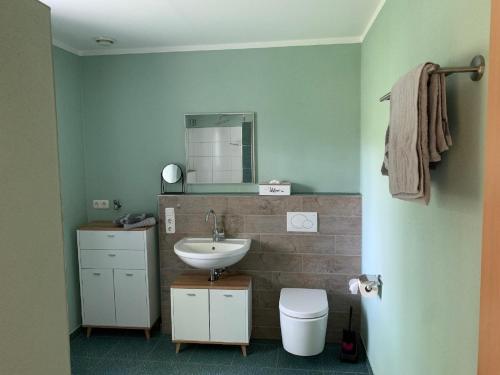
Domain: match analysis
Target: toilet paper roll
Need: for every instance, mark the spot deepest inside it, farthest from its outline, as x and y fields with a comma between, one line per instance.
x=354, y=286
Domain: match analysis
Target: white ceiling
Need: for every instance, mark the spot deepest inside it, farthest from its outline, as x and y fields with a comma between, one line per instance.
x=141, y=26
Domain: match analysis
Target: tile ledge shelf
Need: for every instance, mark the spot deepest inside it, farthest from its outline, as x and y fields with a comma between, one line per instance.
x=257, y=195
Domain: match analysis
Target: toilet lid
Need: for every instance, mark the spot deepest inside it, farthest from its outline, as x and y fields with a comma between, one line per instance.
x=303, y=303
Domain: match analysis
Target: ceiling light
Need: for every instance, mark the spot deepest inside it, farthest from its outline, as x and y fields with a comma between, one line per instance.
x=105, y=41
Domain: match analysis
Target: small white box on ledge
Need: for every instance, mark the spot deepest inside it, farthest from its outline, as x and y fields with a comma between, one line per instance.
x=275, y=188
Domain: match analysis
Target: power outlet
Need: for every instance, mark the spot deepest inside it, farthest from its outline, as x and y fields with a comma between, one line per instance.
x=169, y=220
x=100, y=204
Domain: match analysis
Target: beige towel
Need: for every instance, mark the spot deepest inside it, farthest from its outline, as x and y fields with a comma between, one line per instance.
x=417, y=134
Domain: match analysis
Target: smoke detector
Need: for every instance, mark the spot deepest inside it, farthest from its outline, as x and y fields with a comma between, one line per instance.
x=104, y=41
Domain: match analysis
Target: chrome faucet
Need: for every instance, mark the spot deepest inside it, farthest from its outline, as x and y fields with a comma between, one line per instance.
x=217, y=235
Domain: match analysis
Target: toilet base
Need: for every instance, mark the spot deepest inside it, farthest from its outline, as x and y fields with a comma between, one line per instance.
x=303, y=337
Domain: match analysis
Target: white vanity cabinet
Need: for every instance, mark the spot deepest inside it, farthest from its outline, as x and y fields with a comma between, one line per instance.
x=119, y=277
x=217, y=312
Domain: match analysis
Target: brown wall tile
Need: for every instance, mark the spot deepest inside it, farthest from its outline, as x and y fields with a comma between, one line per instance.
x=342, y=264
x=266, y=317
x=339, y=225
x=270, y=262
x=297, y=243
x=277, y=259
x=265, y=224
x=264, y=205
x=333, y=205
x=348, y=245
x=194, y=204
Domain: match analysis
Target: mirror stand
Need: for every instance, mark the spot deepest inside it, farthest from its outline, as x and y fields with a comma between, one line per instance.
x=171, y=174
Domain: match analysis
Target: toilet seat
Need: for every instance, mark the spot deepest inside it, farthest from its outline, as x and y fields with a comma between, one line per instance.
x=303, y=303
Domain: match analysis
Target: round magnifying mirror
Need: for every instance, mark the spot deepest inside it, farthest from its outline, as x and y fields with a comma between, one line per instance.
x=172, y=173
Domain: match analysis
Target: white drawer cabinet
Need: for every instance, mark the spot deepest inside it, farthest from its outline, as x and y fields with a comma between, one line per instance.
x=119, y=277
x=218, y=312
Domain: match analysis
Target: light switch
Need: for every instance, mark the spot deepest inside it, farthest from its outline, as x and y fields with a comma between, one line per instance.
x=302, y=221
x=169, y=220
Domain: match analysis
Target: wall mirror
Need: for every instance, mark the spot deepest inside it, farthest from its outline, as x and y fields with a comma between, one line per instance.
x=220, y=148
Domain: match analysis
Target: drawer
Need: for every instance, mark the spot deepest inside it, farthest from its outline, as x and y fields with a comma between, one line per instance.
x=125, y=259
x=111, y=240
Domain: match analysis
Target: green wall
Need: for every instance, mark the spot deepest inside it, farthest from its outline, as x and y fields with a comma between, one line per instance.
x=306, y=101
x=429, y=257
x=68, y=85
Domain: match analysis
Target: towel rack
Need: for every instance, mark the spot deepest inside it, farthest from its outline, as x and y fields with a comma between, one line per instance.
x=476, y=70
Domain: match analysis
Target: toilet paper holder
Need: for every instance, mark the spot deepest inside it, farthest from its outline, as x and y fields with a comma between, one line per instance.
x=370, y=281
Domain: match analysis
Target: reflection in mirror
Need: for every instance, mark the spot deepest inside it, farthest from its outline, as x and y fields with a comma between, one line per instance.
x=172, y=173
x=219, y=148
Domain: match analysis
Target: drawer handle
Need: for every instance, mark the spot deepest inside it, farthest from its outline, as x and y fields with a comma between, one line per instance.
x=111, y=235
x=111, y=255
x=191, y=294
x=228, y=295
x=96, y=273
x=129, y=274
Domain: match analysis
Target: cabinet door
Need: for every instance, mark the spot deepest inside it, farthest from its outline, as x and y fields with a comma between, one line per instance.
x=131, y=298
x=190, y=314
x=98, y=300
x=229, y=316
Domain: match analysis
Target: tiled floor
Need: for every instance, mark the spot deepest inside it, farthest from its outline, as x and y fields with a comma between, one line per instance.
x=124, y=353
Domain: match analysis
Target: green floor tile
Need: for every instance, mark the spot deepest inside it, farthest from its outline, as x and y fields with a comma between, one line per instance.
x=290, y=361
x=120, y=367
x=298, y=372
x=92, y=347
x=84, y=365
x=258, y=355
x=133, y=347
x=165, y=351
x=214, y=354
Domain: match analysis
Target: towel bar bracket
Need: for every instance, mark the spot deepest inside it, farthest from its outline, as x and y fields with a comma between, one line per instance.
x=476, y=69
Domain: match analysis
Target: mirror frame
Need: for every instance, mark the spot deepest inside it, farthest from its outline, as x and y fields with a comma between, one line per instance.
x=254, y=177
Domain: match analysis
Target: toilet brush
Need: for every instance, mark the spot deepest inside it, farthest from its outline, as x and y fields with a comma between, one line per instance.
x=348, y=346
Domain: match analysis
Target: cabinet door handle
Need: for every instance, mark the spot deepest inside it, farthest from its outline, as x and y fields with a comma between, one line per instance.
x=129, y=274
x=96, y=273
x=228, y=295
x=111, y=235
x=111, y=255
x=191, y=294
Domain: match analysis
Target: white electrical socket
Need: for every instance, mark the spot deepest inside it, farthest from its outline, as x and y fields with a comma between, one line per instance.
x=169, y=220
x=100, y=204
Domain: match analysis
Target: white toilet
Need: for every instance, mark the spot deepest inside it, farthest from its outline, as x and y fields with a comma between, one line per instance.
x=303, y=319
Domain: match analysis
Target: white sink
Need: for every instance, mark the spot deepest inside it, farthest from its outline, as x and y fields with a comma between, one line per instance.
x=204, y=253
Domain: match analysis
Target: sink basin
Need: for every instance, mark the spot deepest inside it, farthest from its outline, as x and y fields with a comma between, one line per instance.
x=204, y=253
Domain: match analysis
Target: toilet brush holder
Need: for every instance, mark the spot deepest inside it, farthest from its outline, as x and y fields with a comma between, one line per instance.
x=349, y=343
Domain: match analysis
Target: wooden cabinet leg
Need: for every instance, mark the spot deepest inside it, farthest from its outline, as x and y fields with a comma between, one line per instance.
x=147, y=333
x=244, y=350
x=177, y=347
x=89, y=331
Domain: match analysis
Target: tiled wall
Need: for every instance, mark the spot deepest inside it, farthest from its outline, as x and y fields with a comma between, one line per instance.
x=277, y=259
